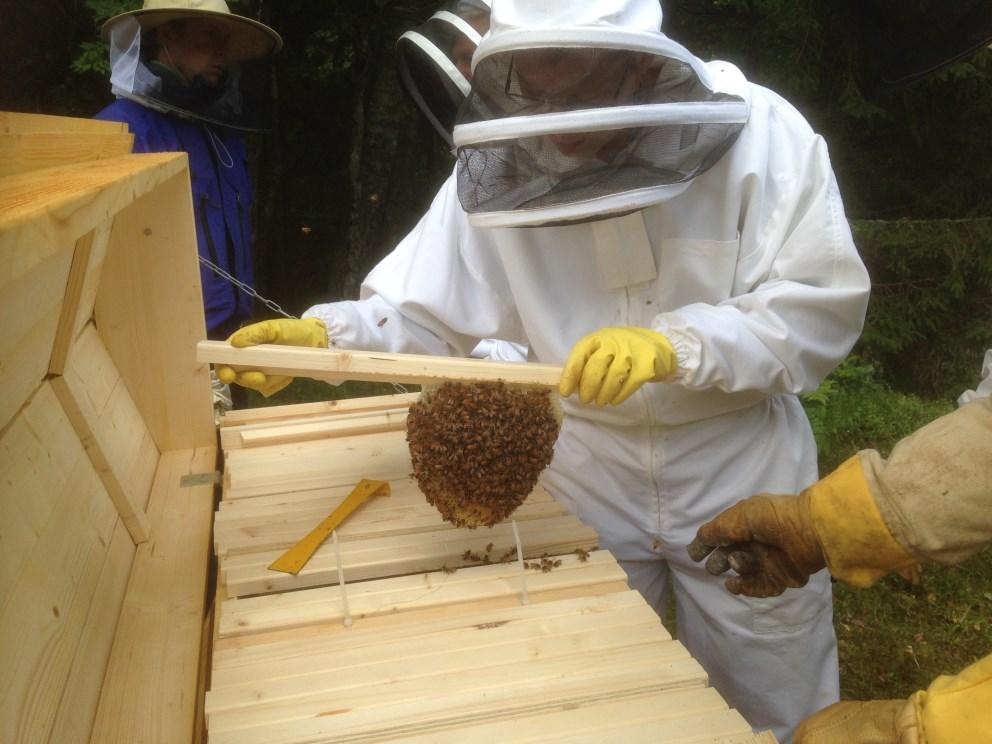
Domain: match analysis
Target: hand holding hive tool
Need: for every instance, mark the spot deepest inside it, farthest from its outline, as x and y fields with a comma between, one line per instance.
x=297, y=556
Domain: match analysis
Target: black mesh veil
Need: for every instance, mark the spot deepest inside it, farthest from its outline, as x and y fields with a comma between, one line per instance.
x=238, y=100
x=435, y=60
x=555, y=129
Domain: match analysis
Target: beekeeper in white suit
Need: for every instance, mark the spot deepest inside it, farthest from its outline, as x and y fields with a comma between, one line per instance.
x=434, y=63
x=674, y=235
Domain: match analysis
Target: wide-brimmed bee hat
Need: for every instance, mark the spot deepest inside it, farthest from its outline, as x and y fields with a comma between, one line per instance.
x=249, y=38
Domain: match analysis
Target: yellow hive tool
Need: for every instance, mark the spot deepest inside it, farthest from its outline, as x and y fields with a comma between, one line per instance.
x=297, y=556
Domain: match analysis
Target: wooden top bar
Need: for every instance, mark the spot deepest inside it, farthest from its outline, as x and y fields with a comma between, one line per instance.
x=334, y=365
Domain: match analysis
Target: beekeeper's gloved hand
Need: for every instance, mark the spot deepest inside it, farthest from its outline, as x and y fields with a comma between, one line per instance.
x=951, y=710
x=608, y=366
x=871, y=722
x=768, y=540
x=776, y=542
x=305, y=332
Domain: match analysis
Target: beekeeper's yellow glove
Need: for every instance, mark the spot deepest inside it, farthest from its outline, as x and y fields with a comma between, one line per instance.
x=608, y=366
x=306, y=332
x=860, y=722
x=957, y=708
x=953, y=710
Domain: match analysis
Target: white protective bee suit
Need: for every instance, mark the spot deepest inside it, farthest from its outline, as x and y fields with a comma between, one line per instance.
x=747, y=265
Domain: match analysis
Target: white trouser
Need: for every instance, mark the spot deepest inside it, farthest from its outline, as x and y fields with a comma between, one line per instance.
x=766, y=657
x=647, y=489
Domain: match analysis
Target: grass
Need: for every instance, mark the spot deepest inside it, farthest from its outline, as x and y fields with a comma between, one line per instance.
x=896, y=637
x=893, y=638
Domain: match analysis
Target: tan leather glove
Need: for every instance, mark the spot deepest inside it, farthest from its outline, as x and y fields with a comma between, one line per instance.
x=608, y=366
x=768, y=540
x=776, y=542
x=954, y=709
x=288, y=332
x=857, y=722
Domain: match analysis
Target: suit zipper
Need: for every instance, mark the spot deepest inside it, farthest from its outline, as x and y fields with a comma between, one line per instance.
x=233, y=255
x=211, y=248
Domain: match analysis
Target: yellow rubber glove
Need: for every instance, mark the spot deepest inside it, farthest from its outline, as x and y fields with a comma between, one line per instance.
x=608, y=366
x=306, y=332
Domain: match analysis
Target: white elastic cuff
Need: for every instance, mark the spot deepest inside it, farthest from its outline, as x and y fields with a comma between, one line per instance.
x=687, y=351
x=333, y=317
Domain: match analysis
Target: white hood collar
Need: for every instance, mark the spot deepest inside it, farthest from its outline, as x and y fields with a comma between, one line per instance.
x=633, y=25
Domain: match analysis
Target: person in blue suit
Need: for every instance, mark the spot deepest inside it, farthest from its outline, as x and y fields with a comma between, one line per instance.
x=182, y=71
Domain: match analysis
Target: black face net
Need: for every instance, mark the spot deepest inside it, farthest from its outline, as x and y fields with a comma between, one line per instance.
x=235, y=96
x=567, y=133
x=435, y=60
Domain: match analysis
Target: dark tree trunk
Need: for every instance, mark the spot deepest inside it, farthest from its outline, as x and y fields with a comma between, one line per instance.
x=38, y=41
x=331, y=197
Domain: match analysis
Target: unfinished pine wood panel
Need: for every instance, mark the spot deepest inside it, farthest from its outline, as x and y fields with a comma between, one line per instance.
x=13, y=122
x=594, y=723
x=410, y=553
x=138, y=322
x=480, y=690
x=467, y=665
x=335, y=365
x=341, y=425
x=42, y=216
x=36, y=458
x=24, y=152
x=149, y=690
x=298, y=411
x=70, y=302
x=91, y=281
x=111, y=429
x=649, y=718
x=412, y=654
x=81, y=695
x=384, y=596
x=409, y=669
x=236, y=660
x=52, y=583
x=27, y=337
x=80, y=293
x=398, y=535
x=280, y=523
x=43, y=212
x=303, y=466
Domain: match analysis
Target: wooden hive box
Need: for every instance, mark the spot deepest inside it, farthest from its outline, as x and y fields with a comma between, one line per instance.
x=107, y=439
x=438, y=634
x=404, y=628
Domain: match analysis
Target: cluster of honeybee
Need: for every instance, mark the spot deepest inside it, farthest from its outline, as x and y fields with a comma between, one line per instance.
x=478, y=448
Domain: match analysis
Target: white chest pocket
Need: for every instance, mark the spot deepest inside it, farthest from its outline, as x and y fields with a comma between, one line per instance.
x=624, y=256
x=691, y=270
